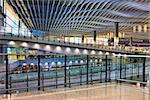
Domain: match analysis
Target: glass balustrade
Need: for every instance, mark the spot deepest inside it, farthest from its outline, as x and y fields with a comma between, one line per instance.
x=59, y=71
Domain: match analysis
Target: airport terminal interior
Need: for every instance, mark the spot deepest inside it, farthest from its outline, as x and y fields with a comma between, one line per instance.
x=74, y=49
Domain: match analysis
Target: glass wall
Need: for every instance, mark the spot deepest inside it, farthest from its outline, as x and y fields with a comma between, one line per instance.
x=12, y=24
x=1, y=3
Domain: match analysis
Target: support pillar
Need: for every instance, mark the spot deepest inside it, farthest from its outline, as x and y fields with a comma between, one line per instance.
x=116, y=37
x=2, y=50
x=82, y=38
x=19, y=26
x=131, y=41
x=94, y=37
x=148, y=82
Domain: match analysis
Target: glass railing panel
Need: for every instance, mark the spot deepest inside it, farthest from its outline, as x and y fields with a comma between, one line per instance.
x=52, y=72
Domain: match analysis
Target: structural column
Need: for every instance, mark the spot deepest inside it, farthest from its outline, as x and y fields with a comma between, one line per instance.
x=148, y=82
x=2, y=50
x=19, y=25
x=131, y=41
x=82, y=38
x=94, y=37
x=116, y=36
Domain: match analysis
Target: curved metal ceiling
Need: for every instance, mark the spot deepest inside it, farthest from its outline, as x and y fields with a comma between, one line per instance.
x=67, y=16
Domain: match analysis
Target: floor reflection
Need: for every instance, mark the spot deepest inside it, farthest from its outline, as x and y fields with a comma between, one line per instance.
x=93, y=92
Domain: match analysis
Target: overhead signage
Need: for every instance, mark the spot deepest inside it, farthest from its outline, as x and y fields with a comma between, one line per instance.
x=134, y=41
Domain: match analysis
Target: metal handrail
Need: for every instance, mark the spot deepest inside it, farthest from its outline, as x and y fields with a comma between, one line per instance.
x=45, y=86
x=75, y=44
x=132, y=81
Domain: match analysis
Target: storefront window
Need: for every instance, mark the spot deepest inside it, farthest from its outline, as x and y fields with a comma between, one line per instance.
x=73, y=39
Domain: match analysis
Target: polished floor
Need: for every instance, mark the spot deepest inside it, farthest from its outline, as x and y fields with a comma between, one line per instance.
x=92, y=92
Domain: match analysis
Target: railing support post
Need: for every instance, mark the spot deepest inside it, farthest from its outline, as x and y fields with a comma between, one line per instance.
x=65, y=72
x=144, y=59
x=106, y=58
x=39, y=72
x=7, y=69
x=87, y=70
x=120, y=67
x=27, y=83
